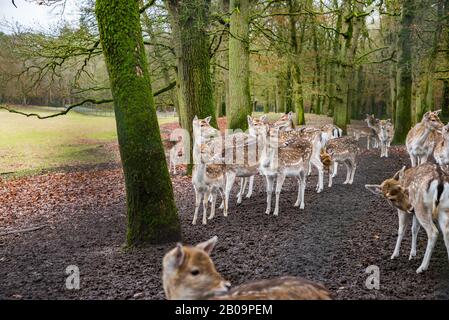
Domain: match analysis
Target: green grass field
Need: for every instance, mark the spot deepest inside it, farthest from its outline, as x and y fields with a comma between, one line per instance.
x=30, y=145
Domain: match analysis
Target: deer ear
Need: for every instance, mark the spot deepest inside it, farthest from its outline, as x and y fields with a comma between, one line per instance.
x=400, y=174
x=263, y=118
x=208, y=119
x=437, y=112
x=250, y=120
x=374, y=188
x=208, y=245
x=175, y=258
x=290, y=115
x=195, y=118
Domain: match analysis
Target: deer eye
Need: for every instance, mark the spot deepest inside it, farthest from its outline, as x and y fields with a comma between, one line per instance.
x=195, y=272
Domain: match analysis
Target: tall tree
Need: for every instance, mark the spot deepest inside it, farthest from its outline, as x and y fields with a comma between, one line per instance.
x=239, y=88
x=403, y=121
x=152, y=213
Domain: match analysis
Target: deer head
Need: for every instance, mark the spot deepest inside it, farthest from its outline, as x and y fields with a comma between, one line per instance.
x=202, y=128
x=445, y=132
x=189, y=273
x=371, y=120
x=285, y=122
x=326, y=158
x=393, y=191
x=257, y=127
x=432, y=121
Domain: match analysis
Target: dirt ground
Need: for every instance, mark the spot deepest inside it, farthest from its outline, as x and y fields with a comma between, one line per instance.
x=341, y=232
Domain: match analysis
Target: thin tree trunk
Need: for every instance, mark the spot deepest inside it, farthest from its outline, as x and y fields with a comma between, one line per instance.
x=152, y=213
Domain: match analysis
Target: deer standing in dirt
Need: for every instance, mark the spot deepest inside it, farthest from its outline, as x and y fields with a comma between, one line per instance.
x=280, y=161
x=373, y=123
x=208, y=178
x=422, y=138
x=421, y=192
x=188, y=273
x=385, y=135
x=441, y=152
x=318, y=137
x=342, y=150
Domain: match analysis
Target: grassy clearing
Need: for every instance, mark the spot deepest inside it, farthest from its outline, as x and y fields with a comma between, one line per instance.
x=30, y=145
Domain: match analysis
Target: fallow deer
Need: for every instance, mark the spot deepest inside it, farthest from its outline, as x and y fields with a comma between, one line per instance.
x=208, y=178
x=373, y=123
x=342, y=150
x=385, y=135
x=441, y=152
x=188, y=273
x=422, y=138
x=278, y=162
x=424, y=191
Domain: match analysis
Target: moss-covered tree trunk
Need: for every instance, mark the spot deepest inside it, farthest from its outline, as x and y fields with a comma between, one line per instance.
x=266, y=105
x=152, y=213
x=239, y=88
x=403, y=121
x=296, y=47
x=189, y=21
x=334, y=62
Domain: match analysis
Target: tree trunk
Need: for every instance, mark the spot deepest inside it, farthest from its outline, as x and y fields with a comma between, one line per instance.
x=189, y=21
x=239, y=89
x=294, y=56
x=404, y=69
x=152, y=213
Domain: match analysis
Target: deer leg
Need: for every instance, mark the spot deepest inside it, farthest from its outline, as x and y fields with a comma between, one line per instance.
x=331, y=174
x=415, y=230
x=197, y=205
x=367, y=142
x=432, y=234
x=243, y=182
x=212, y=206
x=309, y=170
x=354, y=167
x=230, y=178
x=250, y=187
x=403, y=220
x=319, y=165
x=279, y=182
x=301, y=190
x=205, y=202
x=334, y=171
x=348, y=171
x=413, y=160
x=443, y=220
x=270, y=182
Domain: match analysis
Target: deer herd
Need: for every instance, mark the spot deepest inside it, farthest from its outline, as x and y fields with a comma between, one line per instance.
x=280, y=150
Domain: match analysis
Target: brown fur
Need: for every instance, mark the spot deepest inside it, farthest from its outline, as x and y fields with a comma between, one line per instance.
x=189, y=273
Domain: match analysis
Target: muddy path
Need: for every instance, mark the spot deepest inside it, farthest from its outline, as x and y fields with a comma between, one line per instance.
x=340, y=233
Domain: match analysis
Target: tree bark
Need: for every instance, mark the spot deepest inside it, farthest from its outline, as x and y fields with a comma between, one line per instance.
x=404, y=70
x=152, y=213
x=239, y=88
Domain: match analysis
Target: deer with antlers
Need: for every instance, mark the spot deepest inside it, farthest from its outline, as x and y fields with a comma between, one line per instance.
x=421, y=192
x=423, y=137
x=188, y=273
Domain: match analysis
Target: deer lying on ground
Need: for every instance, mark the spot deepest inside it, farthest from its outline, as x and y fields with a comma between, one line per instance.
x=342, y=150
x=421, y=192
x=189, y=274
x=208, y=178
x=422, y=138
x=385, y=135
x=441, y=152
x=281, y=161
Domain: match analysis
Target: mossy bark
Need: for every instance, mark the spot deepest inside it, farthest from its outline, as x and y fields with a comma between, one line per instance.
x=239, y=87
x=295, y=54
x=189, y=21
x=403, y=115
x=152, y=213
